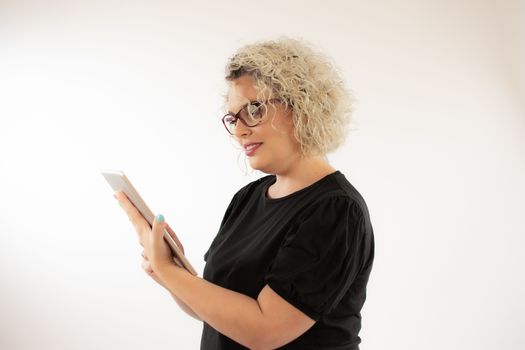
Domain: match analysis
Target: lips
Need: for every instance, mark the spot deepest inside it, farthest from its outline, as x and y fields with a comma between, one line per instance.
x=251, y=147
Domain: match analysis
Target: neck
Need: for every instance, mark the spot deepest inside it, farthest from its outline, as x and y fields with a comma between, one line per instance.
x=302, y=173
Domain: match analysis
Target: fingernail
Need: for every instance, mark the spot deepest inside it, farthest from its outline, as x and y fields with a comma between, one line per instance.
x=160, y=218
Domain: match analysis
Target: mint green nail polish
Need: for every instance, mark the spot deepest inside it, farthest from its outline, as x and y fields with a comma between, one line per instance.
x=160, y=218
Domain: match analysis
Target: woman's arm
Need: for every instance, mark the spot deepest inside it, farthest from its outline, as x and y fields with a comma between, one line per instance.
x=266, y=323
x=185, y=307
x=146, y=266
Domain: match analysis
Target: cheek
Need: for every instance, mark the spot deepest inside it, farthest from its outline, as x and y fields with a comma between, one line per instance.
x=287, y=129
x=286, y=126
x=285, y=144
x=279, y=135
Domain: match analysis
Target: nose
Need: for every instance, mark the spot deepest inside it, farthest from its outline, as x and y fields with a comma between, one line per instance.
x=241, y=129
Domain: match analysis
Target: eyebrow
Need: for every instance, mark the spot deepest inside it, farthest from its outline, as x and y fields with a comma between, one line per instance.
x=244, y=105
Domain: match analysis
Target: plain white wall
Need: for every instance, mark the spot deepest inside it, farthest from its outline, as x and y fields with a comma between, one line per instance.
x=437, y=151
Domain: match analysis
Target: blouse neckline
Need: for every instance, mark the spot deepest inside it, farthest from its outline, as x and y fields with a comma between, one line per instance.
x=298, y=192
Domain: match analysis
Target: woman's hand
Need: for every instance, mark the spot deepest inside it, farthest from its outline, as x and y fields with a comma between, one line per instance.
x=146, y=266
x=153, y=242
x=157, y=253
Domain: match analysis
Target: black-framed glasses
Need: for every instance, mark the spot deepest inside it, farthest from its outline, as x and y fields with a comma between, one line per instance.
x=251, y=114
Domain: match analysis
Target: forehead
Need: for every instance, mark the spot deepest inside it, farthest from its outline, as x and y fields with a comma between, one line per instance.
x=241, y=91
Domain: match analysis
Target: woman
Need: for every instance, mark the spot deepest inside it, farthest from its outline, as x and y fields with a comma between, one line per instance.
x=289, y=266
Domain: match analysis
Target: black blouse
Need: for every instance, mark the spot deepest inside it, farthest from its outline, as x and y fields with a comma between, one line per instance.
x=314, y=247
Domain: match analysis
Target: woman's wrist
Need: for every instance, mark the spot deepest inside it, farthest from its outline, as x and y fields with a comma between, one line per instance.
x=166, y=271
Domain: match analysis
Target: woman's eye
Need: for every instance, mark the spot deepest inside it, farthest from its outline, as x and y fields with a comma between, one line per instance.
x=255, y=110
x=230, y=120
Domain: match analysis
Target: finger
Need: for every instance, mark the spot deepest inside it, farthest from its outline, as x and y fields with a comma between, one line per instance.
x=158, y=228
x=131, y=211
x=159, y=246
x=144, y=256
x=133, y=214
x=175, y=238
x=146, y=266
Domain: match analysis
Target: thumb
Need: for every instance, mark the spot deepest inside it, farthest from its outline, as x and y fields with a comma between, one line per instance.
x=158, y=228
x=160, y=252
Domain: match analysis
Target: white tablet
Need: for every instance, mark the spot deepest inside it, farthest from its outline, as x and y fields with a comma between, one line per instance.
x=119, y=182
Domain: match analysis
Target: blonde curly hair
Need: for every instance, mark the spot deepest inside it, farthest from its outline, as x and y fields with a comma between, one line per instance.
x=304, y=80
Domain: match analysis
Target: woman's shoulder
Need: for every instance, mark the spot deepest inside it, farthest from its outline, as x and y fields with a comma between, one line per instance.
x=349, y=191
x=252, y=187
x=337, y=192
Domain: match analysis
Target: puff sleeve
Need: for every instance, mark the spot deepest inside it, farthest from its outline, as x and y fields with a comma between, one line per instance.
x=320, y=256
x=227, y=215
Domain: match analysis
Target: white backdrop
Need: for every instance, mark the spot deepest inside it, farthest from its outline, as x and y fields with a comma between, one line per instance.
x=437, y=150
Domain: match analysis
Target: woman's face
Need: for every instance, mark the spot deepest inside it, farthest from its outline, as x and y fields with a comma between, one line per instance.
x=274, y=147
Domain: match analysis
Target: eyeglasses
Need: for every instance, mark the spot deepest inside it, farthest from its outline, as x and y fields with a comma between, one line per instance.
x=251, y=114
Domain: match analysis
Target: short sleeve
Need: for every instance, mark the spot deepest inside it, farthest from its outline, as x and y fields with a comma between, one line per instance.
x=320, y=256
x=227, y=214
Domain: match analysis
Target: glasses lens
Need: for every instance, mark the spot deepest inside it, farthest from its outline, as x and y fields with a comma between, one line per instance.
x=255, y=112
x=229, y=121
x=250, y=115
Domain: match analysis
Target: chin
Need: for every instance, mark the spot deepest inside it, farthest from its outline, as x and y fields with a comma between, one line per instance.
x=258, y=165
